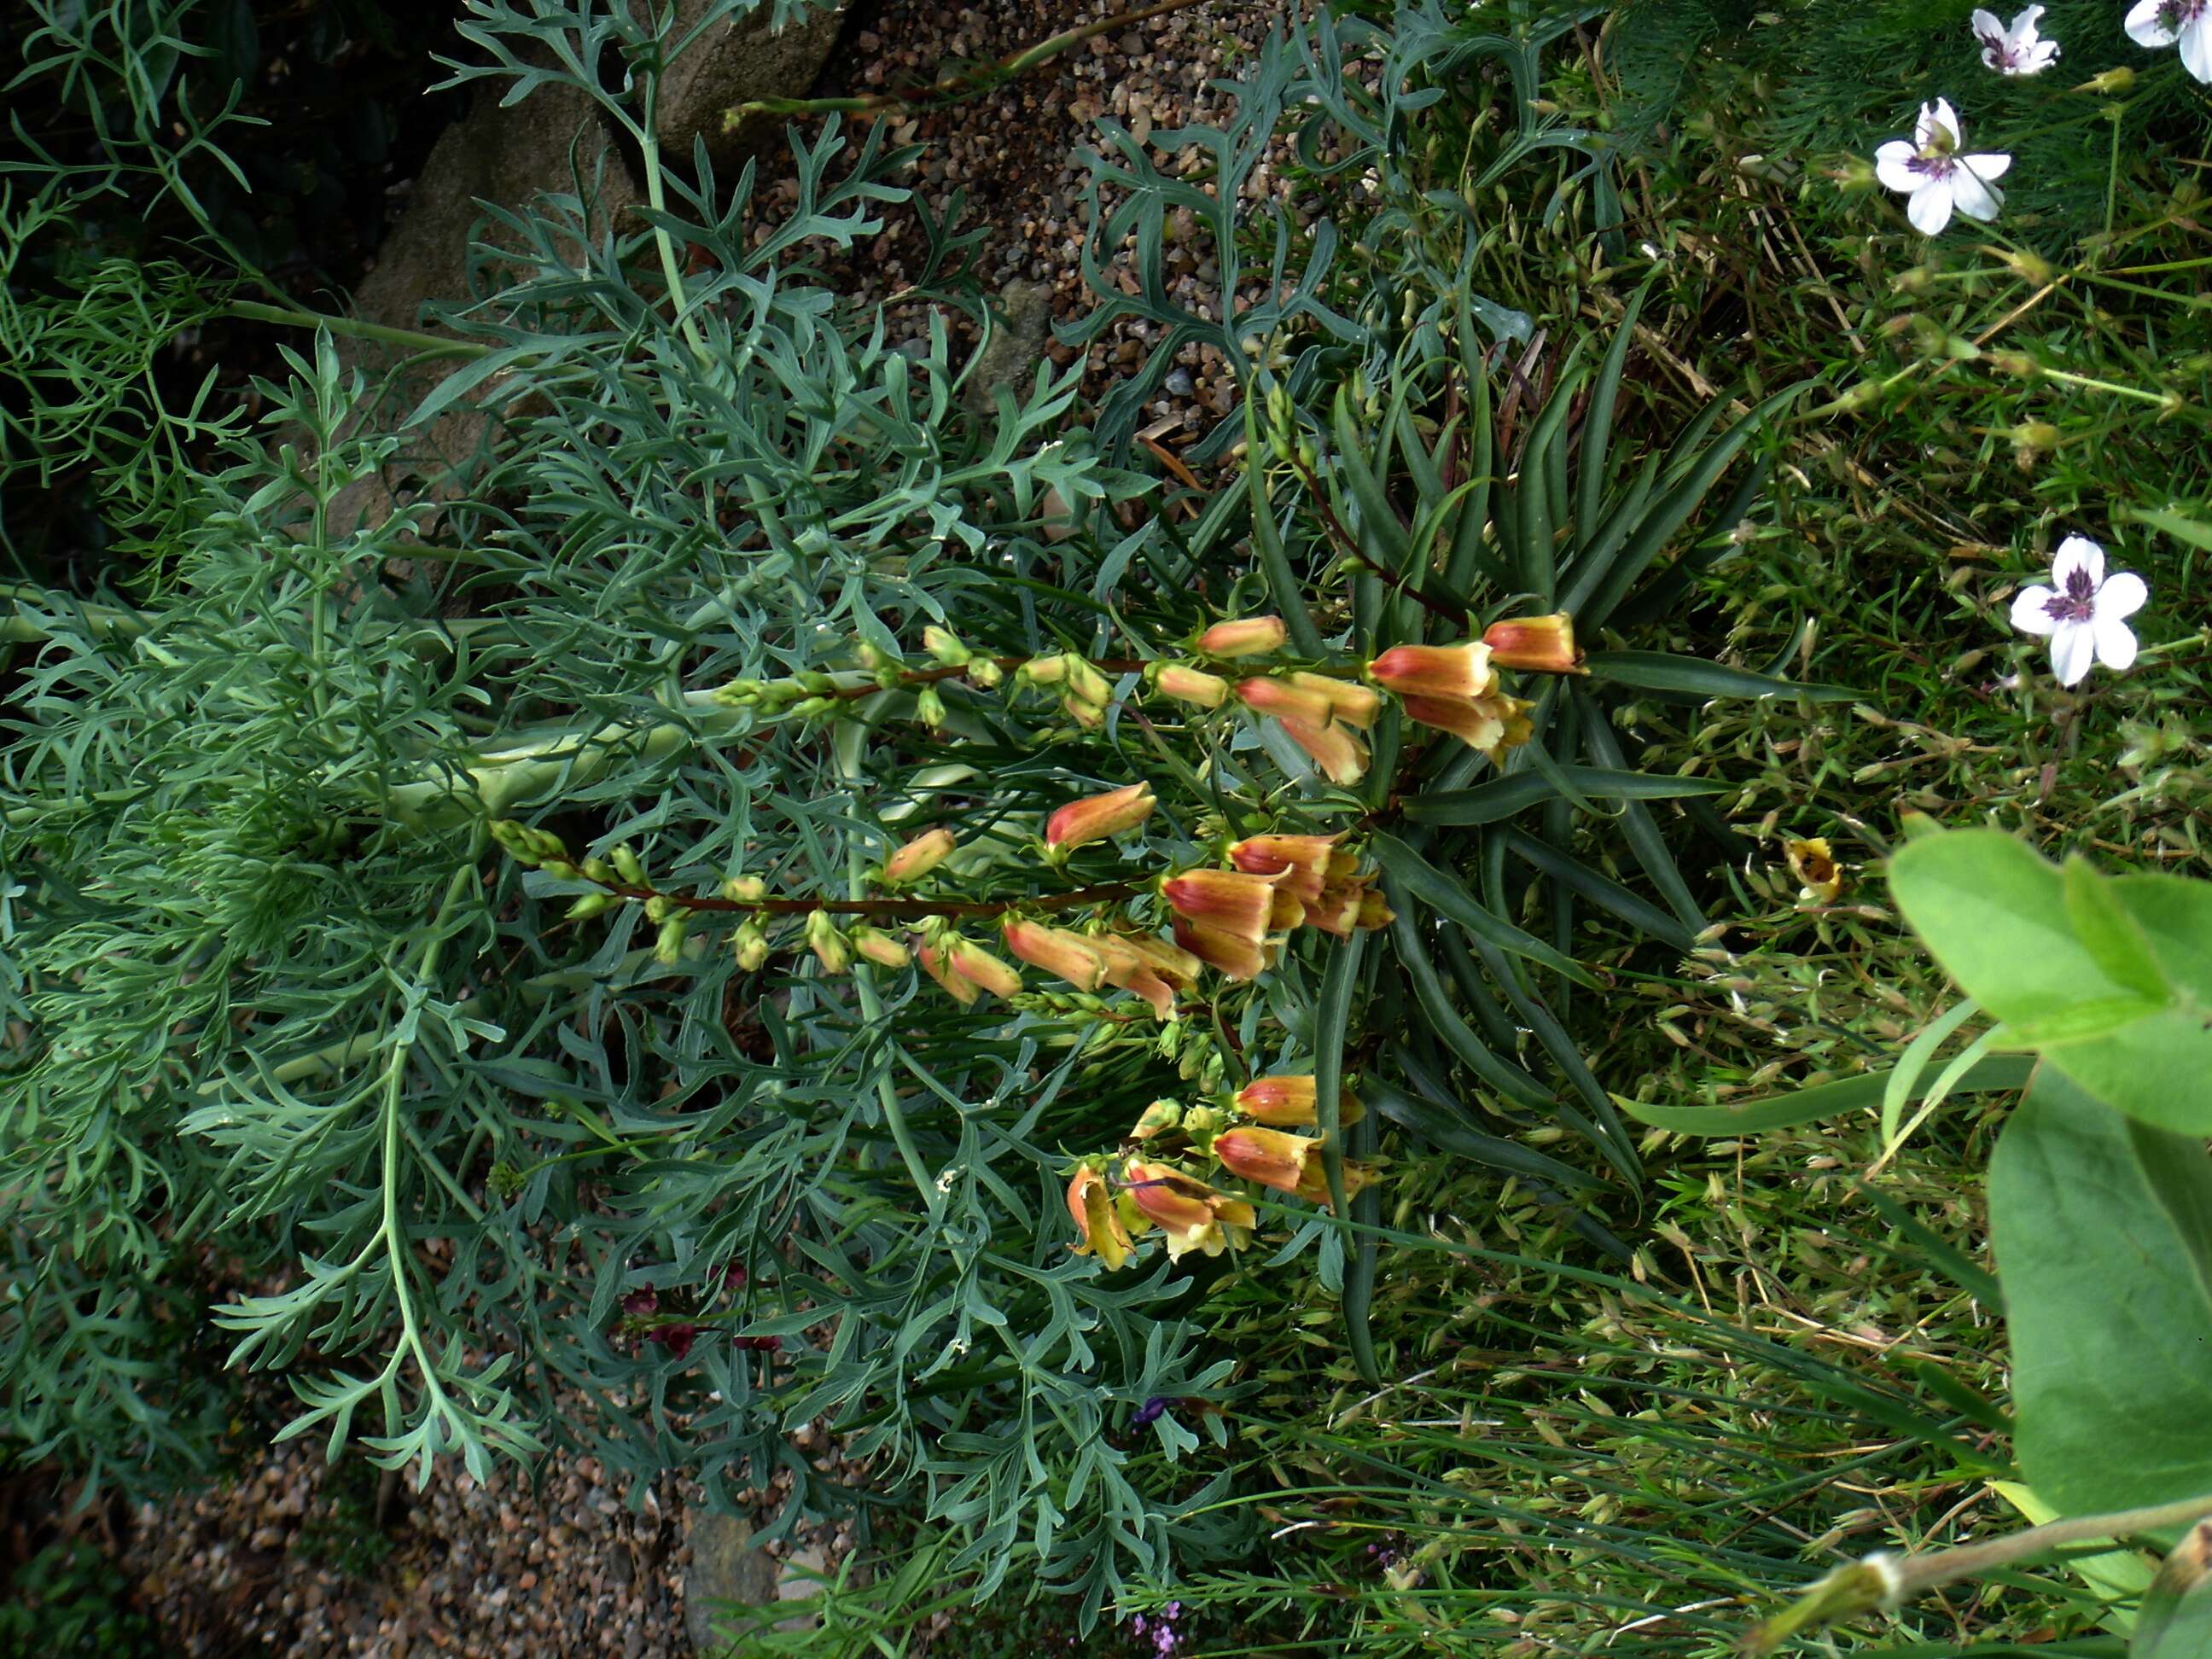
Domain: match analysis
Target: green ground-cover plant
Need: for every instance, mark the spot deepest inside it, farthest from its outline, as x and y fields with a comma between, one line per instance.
x=470, y=925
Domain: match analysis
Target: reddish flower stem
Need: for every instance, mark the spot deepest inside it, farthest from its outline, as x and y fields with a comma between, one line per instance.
x=894, y=910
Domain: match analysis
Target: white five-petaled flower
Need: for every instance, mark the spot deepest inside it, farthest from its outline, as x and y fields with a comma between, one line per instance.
x=2163, y=22
x=2084, y=611
x=1929, y=169
x=2016, y=49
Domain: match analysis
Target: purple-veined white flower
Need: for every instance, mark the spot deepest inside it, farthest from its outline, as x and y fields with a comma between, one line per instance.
x=2164, y=22
x=1929, y=170
x=2084, y=611
x=2015, y=48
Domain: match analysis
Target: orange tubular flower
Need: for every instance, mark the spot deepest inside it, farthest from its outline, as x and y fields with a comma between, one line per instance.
x=1313, y=1184
x=935, y=963
x=1288, y=1102
x=1128, y=969
x=1341, y=756
x=1188, y=684
x=1191, y=1215
x=1268, y=1156
x=1095, y=818
x=1248, y=636
x=1285, y=700
x=1303, y=862
x=980, y=967
x=1543, y=644
x=1228, y=901
x=1099, y=1229
x=1353, y=704
x=1337, y=910
x=1435, y=670
x=918, y=857
x=1473, y=724
x=1285, y=911
x=1238, y=957
x=1072, y=957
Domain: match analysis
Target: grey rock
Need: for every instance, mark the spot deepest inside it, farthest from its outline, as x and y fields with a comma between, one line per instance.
x=734, y=64
x=725, y=1567
x=1179, y=383
x=1021, y=325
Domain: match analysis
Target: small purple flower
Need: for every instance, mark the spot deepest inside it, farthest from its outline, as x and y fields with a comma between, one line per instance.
x=1149, y=1413
x=677, y=1339
x=638, y=1304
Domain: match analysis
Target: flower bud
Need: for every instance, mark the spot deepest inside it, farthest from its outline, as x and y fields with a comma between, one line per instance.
x=880, y=948
x=751, y=945
x=929, y=706
x=943, y=646
x=659, y=907
x=2116, y=82
x=827, y=943
x=1158, y=1117
x=1435, y=670
x=628, y=865
x=2030, y=267
x=1043, y=671
x=1341, y=756
x=1095, y=818
x=1247, y=636
x=1268, y=695
x=984, y=673
x=744, y=890
x=1192, y=685
x=1543, y=644
x=599, y=870
x=668, y=946
x=1268, y=1156
x=1086, y=683
x=2031, y=440
x=918, y=857
x=1057, y=950
x=592, y=905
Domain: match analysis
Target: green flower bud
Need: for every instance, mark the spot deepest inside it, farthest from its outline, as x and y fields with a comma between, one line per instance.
x=628, y=865
x=744, y=890
x=592, y=905
x=669, y=947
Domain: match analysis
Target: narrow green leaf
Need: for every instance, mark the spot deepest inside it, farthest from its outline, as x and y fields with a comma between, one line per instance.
x=1332, y=1030
x=1427, y=885
x=1820, y=1100
x=1636, y=824
x=1513, y=793
x=1444, y=1021
x=1597, y=415
x=1905, y=1077
x=1694, y=677
x=1282, y=585
x=1449, y=1131
x=1600, y=889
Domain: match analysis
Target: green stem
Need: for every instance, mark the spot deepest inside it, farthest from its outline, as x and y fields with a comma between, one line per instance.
x=954, y=87
x=671, y=269
x=895, y=909
x=871, y=1012
x=299, y=317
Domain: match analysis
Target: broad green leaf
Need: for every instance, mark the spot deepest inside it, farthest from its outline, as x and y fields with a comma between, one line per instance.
x=2176, y=1619
x=1512, y=793
x=2098, y=1225
x=1998, y=918
x=2109, y=931
x=1850, y=1094
x=1659, y=670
